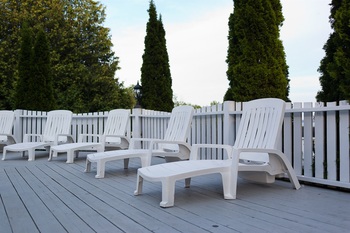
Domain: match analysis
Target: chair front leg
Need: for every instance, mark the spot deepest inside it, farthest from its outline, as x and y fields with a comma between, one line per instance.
x=168, y=193
x=70, y=156
x=87, y=165
x=52, y=154
x=100, y=169
x=229, y=183
x=187, y=182
x=126, y=163
x=4, y=154
x=139, y=183
x=31, y=154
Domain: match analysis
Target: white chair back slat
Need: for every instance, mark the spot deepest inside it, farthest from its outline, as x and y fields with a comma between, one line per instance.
x=258, y=128
x=7, y=119
x=58, y=122
x=116, y=124
x=178, y=127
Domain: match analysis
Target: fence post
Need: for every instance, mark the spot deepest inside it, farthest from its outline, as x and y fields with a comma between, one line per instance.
x=344, y=163
x=229, y=123
x=136, y=125
x=18, y=126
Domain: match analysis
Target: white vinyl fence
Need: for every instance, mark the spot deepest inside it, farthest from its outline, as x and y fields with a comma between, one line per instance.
x=315, y=138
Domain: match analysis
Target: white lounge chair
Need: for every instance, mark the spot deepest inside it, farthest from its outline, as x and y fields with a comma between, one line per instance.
x=7, y=119
x=57, y=130
x=172, y=147
x=254, y=153
x=114, y=137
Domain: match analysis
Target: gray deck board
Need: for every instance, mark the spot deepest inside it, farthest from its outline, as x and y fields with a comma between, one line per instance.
x=42, y=196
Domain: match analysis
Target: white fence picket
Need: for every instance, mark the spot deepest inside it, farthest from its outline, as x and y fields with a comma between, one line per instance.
x=297, y=140
x=331, y=144
x=287, y=129
x=308, y=153
x=319, y=143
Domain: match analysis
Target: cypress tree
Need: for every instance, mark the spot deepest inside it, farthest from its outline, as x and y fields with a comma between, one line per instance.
x=342, y=56
x=41, y=86
x=155, y=71
x=35, y=87
x=256, y=60
x=24, y=68
x=331, y=70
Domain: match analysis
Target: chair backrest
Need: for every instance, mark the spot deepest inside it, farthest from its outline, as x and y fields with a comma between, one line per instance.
x=117, y=123
x=58, y=122
x=260, y=126
x=7, y=119
x=179, y=126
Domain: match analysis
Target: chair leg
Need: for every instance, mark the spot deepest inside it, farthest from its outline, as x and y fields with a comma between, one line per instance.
x=70, y=156
x=100, y=169
x=139, y=183
x=4, y=154
x=52, y=154
x=290, y=171
x=168, y=193
x=229, y=182
x=187, y=182
x=146, y=160
x=87, y=165
x=293, y=178
x=126, y=163
x=31, y=154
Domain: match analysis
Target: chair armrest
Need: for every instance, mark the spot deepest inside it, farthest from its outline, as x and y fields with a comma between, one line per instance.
x=69, y=138
x=10, y=138
x=124, y=140
x=238, y=151
x=195, y=148
x=27, y=136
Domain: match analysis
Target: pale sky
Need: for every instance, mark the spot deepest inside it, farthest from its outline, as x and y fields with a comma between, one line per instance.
x=196, y=35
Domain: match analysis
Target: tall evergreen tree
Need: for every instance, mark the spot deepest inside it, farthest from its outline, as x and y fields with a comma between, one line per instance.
x=41, y=85
x=331, y=70
x=156, y=79
x=24, y=68
x=256, y=59
x=342, y=56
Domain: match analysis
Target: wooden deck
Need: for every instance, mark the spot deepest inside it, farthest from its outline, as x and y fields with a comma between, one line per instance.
x=44, y=196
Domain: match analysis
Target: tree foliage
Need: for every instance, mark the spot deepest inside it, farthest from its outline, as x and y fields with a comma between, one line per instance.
x=24, y=69
x=256, y=59
x=156, y=79
x=335, y=66
x=34, y=87
x=82, y=61
x=41, y=86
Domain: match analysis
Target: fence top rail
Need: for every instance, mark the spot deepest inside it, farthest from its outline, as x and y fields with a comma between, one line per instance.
x=320, y=109
x=291, y=108
x=74, y=116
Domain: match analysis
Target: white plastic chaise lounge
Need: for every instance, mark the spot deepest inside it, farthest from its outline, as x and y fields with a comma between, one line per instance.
x=174, y=146
x=57, y=130
x=254, y=155
x=113, y=137
x=7, y=119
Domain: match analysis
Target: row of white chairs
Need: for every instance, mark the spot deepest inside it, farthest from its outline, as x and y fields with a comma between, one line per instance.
x=254, y=155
